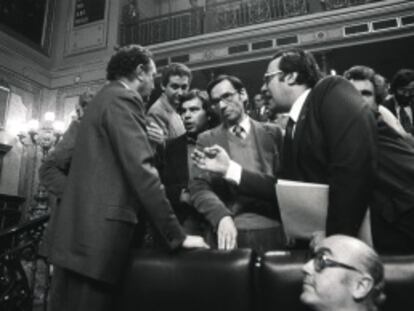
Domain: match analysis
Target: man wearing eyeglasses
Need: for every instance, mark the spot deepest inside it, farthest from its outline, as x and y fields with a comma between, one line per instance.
x=344, y=274
x=330, y=138
x=237, y=220
x=401, y=104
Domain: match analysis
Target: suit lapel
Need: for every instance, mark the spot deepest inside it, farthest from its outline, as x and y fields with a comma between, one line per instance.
x=299, y=132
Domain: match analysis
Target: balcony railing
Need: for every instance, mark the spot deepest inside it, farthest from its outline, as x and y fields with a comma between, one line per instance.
x=20, y=266
x=221, y=16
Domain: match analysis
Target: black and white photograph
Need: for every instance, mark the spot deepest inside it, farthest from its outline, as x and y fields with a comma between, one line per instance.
x=209, y=155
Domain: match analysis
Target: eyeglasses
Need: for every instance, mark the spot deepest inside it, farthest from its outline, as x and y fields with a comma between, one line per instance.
x=268, y=76
x=227, y=97
x=408, y=92
x=321, y=262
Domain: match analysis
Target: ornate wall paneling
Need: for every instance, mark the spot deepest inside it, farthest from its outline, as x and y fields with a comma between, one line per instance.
x=67, y=98
x=19, y=173
x=87, y=26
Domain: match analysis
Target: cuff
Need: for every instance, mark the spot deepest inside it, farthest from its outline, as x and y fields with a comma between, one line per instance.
x=234, y=172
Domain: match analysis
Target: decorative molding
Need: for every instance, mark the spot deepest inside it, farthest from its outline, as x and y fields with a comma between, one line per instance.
x=79, y=37
x=19, y=80
x=312, y=31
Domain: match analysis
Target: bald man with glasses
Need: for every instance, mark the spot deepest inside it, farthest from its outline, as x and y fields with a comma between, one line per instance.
x=344, y=274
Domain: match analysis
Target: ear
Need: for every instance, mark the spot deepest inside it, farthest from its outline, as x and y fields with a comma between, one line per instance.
x=243, y=95
x=139, y=71
x=290, y=78
x=362, y=287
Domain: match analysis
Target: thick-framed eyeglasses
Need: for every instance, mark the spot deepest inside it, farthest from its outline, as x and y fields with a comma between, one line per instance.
x=406, y=91
x=321, y=262
x=268, y=76
x=227, y=97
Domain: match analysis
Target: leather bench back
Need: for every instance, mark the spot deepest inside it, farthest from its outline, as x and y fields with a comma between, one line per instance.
x=279, y=281
x=194, y=280
x=399, y=283
x=207, y=280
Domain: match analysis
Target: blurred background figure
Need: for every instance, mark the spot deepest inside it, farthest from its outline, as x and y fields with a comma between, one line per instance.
x=401, y=104
x=55, y=167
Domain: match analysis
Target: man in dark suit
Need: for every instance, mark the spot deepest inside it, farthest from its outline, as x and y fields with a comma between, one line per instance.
x=330, y=138
x=259, y=111
x=254, y=146
x=111, y=180
x=401, y=104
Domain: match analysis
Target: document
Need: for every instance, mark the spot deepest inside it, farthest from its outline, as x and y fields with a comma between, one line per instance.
x=304, y=208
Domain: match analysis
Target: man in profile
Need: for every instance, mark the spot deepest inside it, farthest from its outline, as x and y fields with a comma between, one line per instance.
x=344, y=274
x=111, y=181
x=331, y=138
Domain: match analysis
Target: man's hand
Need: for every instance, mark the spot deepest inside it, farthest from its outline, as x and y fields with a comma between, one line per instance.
x=212, y=159
x=155, y=133
x=227, y=234
x=194, y=241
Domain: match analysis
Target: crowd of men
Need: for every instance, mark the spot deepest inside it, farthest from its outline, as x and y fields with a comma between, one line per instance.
x=198, y=169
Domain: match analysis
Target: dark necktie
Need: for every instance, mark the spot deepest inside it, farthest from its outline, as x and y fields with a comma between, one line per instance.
x=287, y=161
x=238, y=131
x=405, y=120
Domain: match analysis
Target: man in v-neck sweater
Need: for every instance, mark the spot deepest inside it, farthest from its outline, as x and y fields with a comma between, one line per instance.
x=255, y=147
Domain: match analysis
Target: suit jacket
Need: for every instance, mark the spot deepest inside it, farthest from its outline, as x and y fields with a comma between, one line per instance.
x=335, y=143
x=111, y=179
x=166, y=117
x=390, y=105
x=212, y=195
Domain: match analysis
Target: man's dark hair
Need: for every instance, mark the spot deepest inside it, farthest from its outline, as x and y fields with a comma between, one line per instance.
x=302, y=62
x=359, y=73
x=175, y=69
x=236, y=82
x=402, y=78
x=124, y=62
x=213, y=118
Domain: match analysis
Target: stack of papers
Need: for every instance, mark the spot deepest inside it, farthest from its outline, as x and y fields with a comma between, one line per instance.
x=304, y=208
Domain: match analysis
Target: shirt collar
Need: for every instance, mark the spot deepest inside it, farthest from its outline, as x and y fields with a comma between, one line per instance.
x=297, y=106
x=245, y=124
x=124, y=84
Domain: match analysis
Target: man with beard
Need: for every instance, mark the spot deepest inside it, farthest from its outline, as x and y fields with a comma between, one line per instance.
x=401, y=104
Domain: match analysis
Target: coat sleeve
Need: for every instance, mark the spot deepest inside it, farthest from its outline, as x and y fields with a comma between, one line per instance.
x=349, y=127
x=124, y=123
x=203, y=197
